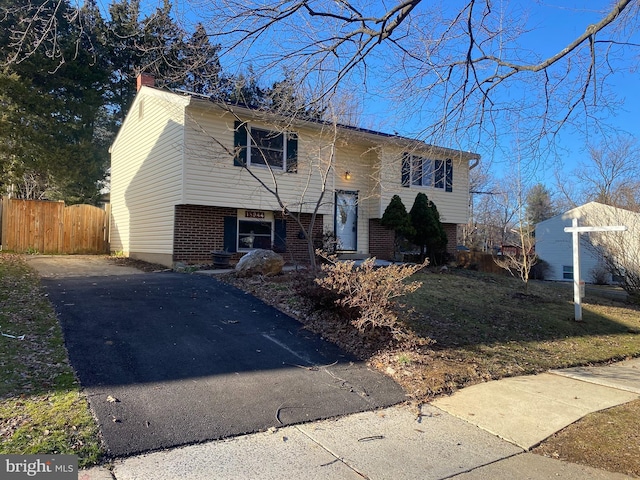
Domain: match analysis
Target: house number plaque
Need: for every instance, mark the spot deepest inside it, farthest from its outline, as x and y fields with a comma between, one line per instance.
x=253, y=214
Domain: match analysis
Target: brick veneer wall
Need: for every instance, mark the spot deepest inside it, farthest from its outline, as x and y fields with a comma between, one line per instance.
x=381, y=240
x=296, y=246
x=199, y=229
x=451, y=229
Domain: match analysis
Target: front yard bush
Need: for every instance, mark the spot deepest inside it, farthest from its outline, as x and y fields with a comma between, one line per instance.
x=370, y=292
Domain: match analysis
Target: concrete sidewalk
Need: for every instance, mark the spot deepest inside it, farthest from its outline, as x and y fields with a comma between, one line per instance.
x=481, y=432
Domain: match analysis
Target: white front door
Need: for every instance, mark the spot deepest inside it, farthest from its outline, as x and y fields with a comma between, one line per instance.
x=346, y=220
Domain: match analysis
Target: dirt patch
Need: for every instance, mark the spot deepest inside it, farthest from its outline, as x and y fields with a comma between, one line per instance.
x=137, y=264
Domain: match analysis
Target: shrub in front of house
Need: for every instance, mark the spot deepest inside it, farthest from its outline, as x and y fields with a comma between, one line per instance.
x=540, y=270
x=370, y=292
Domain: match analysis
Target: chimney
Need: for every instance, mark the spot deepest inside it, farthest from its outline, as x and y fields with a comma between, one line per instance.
x=145, y=79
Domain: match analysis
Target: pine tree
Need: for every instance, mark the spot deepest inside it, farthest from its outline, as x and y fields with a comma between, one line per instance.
x=163, y=48
x=203, y=74
x=429, y=233
x=539, y=205
x=50, y=146
x=396, y=218
x=124, y=38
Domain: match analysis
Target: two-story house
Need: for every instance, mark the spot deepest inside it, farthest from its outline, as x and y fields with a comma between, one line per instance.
x=190, y=176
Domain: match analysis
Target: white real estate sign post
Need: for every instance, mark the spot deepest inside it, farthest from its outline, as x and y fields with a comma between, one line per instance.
x=575, y=231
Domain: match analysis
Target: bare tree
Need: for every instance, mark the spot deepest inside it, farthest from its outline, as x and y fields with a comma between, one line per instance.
x=463, y=67
x=517, y=256
x=611, y=175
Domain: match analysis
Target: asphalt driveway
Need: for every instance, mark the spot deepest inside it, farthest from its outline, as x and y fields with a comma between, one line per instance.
x=169, y=359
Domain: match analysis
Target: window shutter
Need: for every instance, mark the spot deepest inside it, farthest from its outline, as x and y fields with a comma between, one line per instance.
x=438, y=174
x=280, y=236
x=240, y=136
x=448, y=173
x=230, y=233
x=292, y=152
x=406, y=170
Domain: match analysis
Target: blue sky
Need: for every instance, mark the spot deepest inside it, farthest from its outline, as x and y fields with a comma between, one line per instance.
x=552, y=25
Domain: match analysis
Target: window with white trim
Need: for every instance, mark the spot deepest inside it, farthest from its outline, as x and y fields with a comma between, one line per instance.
x=420, y=171
x=255, y=234
x=255, y=229
x=260, y=147
x=567, y=272
x=267, y=148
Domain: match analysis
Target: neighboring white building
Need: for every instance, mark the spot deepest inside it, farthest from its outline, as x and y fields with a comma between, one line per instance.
x=554, y=245
x=179, y=189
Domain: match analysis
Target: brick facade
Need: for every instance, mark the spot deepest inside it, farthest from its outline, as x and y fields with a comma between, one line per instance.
x=199, y=230
x=381, y=240
x=451, y=229
x=296, y=246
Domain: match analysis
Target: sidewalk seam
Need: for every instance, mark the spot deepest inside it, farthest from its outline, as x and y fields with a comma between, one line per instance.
x=326, y=449
x=486, y=464
x=557, y=373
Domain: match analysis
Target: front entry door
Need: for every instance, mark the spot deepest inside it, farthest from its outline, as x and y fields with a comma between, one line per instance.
x=346, y=220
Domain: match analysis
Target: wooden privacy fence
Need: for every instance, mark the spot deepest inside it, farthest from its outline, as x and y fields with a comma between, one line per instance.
x=479, y=261
x=39, y=226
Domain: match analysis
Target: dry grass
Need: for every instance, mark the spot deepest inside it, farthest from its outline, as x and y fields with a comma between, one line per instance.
x=609, y=439
x=466, y=327
x=41, y=407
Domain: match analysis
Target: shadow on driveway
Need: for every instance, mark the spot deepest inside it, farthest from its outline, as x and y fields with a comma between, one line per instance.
x=189, y=359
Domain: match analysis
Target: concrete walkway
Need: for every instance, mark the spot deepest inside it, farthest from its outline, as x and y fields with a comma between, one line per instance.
x=480, y=432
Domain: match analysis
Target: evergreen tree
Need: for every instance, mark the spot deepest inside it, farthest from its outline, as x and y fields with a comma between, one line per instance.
x=429, y=233
x=244, y=89
x=49, y=145
x=203, y=71
x=285, y=98
x=539, y=205
x=124, y=39
x=396, y=218
x=163, y=48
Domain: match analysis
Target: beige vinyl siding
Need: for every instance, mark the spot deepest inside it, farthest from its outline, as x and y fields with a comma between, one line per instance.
x=212, y=179
x=146, y=174
x=453, y=206
x=360, y=161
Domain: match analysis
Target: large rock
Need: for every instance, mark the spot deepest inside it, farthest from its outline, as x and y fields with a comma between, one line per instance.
x=260, y=262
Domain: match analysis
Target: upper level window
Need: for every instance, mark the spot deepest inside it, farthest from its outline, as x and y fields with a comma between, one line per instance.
x=262, y=147
x=267, y=148
x=427, y=172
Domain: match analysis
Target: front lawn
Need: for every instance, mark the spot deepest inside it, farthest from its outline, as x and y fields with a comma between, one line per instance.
x=464, y=327
x=42, y=409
